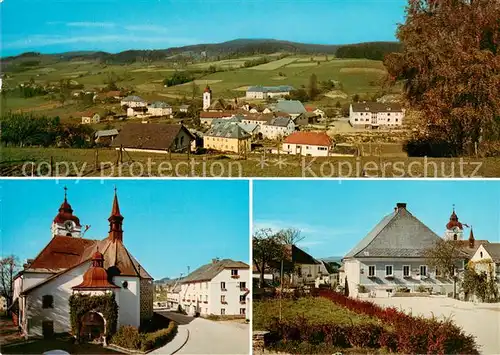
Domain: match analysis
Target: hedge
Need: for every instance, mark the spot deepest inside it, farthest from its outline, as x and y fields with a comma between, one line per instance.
x=411, y=335
x=129, y=337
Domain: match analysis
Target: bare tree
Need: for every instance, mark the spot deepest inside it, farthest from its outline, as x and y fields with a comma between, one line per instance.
x=445, y=256
x=290, y=236
x=9, y=266
x=267, y=249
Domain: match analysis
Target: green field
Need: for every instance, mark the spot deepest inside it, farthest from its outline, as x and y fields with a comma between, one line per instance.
x=357, y=76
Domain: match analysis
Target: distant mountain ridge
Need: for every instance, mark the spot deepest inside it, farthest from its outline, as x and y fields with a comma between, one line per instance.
x=237, y=47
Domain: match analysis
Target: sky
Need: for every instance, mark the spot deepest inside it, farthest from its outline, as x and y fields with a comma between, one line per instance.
x=168, y=226
x=335, y=215
x=54, y=26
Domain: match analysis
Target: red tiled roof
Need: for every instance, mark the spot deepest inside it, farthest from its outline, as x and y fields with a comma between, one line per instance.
x=310, y=108
x=61, y=253
x=311, y=138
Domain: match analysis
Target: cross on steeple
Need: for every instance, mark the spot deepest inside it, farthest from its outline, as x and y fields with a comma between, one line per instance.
x=65, y=193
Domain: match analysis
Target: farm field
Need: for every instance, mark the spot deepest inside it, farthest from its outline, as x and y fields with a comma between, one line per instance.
x=82, y=163
x=357, y=76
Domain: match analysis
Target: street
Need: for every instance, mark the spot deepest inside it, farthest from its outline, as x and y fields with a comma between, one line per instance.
x=210, y=337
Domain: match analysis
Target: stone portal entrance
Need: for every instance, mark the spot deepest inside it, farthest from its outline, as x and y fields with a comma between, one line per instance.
x=93, y=327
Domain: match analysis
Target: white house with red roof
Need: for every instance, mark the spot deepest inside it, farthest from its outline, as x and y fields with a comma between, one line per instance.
x=72, y=264
x=316, y=144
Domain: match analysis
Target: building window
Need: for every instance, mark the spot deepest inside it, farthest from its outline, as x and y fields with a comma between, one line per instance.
x=406, y=270
x=223, y=299
x=423, y=270
x=222, y=311
x=242, y=299
x=388, y=270
x=481, y=254
x=47, y=301
x=371, y=271
x=223, y=286
x=242, y=311
x=206, y=298
x=243, y=285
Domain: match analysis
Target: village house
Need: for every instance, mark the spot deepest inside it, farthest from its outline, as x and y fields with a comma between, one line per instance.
x=292, y=107
x=90, y=117
x=71, y=264
x=307, y=118
x=154, y=138
x=228, y=137
x=306, y=269
x=219, y=288
x=105, y=137
x=315, y=110
x=277, y=127
x=137, y=111
x=159, y=108
x=487, y=259
x=264, y=92
x=375, y=114
x=133, y=101
x=392, y=256
x=316, y=144
x=108, y=96
x=184, y=108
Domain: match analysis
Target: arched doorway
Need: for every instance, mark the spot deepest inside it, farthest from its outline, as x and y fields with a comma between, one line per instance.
x=93, y=327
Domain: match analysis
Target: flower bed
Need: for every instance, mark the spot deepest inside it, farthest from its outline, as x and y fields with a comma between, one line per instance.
x=411, y=334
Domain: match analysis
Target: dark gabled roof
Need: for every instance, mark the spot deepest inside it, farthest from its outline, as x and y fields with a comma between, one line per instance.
x=494, y=250
x=280, y=121
x=376, y=107
x=227, y=130
x=209, y=271
x=149, y=135
x=298, y=256
x=398, y=234
x=290, y=106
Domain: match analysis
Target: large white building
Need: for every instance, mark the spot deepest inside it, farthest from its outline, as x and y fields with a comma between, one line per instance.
x=376, y=114
x=133, y=101
x=316, y=144
x=278, y=127
x=159, y=108
x=219, y=288
x=71, y=264
x=264, y=92
x=392, y=256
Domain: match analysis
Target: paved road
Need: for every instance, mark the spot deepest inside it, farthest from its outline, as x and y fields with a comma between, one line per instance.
x=208, y=337
x=481, y=320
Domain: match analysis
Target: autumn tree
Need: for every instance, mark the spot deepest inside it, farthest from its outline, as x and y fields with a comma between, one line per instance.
x=450, y=65
x=9, y=266
x=267, y=249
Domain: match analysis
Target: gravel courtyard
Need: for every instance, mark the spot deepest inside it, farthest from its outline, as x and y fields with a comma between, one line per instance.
x=479, y=319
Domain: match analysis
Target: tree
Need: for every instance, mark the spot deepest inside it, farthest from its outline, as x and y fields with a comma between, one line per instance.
x=9, y=266
x=195, y=90
x=111, y=81
x=267, y=249
x=290, y=236
x=338, y=105
x=355, y=98
x=445, y=255
x=346, y=288
x=449, y=65
x=313, y=90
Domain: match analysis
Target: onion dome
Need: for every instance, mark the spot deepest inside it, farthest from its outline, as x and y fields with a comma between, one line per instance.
x=207, y=89
x=96, y=277
x=66, y=212
x=454, y=222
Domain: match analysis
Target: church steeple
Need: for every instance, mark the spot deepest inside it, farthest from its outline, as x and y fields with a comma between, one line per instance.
x=115, y=221
x=472, y=240
x=65, y=223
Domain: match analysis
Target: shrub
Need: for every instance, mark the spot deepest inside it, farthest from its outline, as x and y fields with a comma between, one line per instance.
x=362, y=289
x=414, y=334
x=158, y=338
x=127, y=337
x=421, y=288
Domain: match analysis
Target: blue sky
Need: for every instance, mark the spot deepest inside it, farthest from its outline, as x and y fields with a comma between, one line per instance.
x=335, y=215
x=52, y=26
x=168, y=225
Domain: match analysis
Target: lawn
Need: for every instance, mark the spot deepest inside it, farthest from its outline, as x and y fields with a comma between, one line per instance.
x=316, y=310
x=60, y=343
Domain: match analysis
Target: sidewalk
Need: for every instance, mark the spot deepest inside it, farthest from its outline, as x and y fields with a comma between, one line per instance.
x=176, y=344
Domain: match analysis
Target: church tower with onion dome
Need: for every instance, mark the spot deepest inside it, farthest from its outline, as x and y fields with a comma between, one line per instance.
x=66, y=224
x=454, y=229
x=207, y=98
